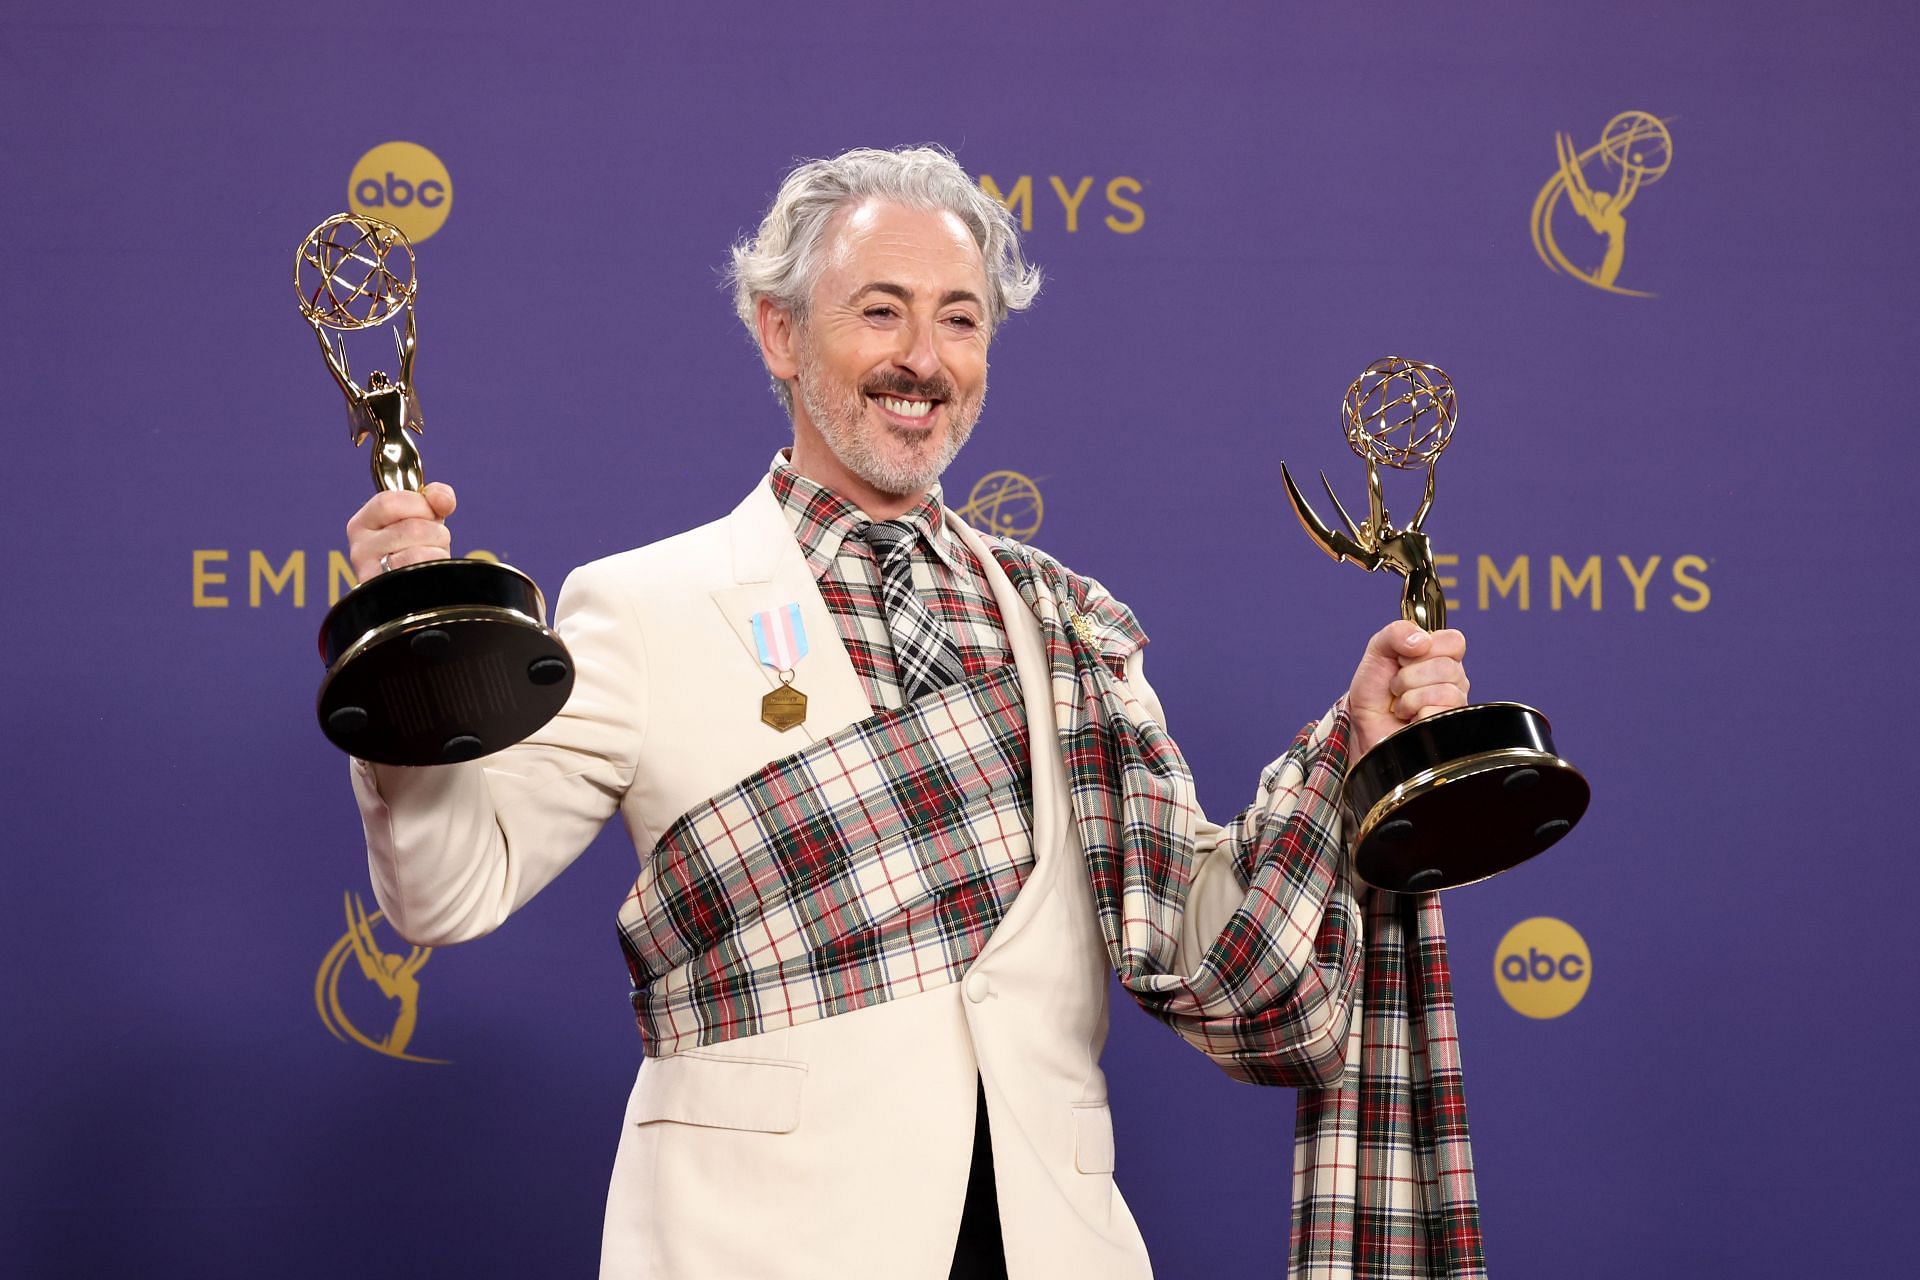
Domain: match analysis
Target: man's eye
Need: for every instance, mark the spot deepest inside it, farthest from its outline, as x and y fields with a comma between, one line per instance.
x=963, y=322
x=879, y=313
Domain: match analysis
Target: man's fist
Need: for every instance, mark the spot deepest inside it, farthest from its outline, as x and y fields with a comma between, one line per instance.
x=1405, y=675
x=404, y=526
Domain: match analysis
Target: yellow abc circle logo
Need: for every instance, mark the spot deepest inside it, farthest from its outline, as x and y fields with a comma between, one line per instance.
x=402, y=183
x=1542, y=967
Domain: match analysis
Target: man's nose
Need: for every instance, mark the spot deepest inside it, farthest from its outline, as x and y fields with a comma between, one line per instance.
x=916, y=349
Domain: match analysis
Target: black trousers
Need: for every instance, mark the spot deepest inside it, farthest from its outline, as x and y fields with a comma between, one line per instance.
x=978, y=1254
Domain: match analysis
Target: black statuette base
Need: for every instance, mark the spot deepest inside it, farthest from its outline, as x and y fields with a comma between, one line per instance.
x=440, y=662
x=1459, y=797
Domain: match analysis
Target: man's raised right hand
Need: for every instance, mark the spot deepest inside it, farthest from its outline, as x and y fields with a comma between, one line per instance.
x=404, y=526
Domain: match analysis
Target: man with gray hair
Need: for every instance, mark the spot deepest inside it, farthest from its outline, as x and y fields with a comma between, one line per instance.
x=904, y=803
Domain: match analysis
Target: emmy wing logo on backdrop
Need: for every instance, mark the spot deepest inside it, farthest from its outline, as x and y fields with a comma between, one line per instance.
x=402, y=183
x=1004, y=504
x=381, y=979
x=1594, y=187
x=1543, y=967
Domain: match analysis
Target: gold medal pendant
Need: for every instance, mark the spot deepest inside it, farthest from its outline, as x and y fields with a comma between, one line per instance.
x=780, y=636
x=783, y=708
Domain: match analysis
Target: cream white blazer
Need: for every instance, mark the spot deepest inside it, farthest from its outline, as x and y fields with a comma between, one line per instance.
x=838, y=1148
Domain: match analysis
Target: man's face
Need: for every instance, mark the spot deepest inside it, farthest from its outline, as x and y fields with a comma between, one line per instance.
x=891, y=360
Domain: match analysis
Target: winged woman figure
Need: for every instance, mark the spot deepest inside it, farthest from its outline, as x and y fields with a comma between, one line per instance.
x=391, y=973
x=1604, y=211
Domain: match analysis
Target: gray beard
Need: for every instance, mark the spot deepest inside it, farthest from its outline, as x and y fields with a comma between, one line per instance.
x=839, y=426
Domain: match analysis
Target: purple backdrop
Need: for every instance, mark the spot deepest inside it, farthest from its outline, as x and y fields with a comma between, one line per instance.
x=1316, y=186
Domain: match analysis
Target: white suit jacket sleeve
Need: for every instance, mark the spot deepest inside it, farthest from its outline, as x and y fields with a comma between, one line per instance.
x=455, y=849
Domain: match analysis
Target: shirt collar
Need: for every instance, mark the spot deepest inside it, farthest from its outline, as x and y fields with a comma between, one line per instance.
x=822, y=520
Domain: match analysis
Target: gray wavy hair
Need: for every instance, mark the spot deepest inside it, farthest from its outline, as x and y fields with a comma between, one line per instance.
x=782, y=259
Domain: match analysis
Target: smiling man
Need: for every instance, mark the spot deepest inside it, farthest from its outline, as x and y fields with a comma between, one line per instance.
x=904, y=803
x=889, y=353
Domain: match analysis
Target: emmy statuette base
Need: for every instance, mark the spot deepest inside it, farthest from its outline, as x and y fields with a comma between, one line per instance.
x=1459, y=797
x=439, y=662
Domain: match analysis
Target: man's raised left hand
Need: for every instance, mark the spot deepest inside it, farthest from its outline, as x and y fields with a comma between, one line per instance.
x=1406, y=674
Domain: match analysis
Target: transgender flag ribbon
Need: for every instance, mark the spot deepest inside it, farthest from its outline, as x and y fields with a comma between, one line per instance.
x=781, y=637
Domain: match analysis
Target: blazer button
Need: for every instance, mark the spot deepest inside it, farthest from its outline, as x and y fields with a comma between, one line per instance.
x=977, y=987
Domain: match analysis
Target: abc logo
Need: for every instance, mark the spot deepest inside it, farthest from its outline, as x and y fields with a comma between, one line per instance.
x=1542, y=967
x=402, y=183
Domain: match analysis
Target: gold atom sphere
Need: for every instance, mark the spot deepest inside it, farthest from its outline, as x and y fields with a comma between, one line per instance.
x=1639, y=142
x=1400, y=413
x=354, y=272
x=1004, y=503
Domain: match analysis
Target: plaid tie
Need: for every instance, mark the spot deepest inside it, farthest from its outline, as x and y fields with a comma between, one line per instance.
x=925, y=654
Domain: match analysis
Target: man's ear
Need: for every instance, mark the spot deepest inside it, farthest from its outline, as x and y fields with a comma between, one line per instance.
x=777, y=339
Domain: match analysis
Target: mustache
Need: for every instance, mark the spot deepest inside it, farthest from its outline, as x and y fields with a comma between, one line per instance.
x=908, y=387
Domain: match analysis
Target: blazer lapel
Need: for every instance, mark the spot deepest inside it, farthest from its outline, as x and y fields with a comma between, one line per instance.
x=770, y=573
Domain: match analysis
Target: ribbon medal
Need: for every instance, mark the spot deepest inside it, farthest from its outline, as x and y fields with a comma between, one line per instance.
x=781, y=638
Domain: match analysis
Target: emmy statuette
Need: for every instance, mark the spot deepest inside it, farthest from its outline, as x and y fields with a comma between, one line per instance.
x=427, y=663
x=1464, y=794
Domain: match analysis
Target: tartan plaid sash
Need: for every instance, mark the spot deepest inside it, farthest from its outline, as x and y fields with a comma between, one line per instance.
x=874, y=863
x=1295, y=990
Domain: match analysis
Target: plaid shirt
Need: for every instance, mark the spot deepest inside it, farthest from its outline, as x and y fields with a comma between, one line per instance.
x=949, y=581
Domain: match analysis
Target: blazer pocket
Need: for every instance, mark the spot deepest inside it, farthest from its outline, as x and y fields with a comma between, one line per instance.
x=1093, y=1138
x=761, y=1095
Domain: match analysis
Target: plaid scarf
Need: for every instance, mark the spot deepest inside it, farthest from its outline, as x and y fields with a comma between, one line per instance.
x=1294, y=990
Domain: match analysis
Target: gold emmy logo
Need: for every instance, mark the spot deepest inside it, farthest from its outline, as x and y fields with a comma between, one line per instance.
x=1543, y=967
x=1004, y=504
x=1635, y=150
x=402, y=183
x=389, y=973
